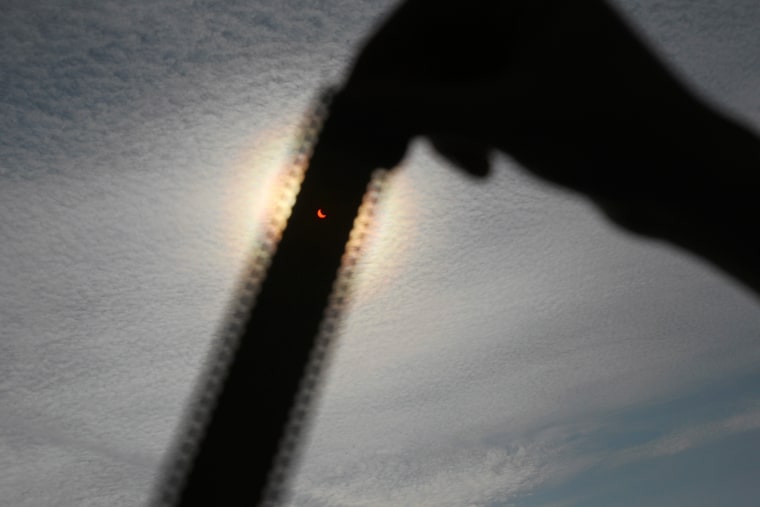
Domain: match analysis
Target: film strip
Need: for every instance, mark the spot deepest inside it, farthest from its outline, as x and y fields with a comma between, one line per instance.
x=198, y=415
x=307, y=398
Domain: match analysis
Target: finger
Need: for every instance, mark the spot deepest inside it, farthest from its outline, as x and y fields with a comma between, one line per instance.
x=471, y=156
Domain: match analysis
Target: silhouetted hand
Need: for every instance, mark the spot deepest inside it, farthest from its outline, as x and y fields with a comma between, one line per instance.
x=519, y=76
x=567, y=90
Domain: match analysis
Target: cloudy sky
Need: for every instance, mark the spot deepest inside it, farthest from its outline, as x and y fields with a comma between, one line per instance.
x=504, y=345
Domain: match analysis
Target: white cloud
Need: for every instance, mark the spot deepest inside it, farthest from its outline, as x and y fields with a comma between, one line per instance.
x=451, y=475
x=691, y=437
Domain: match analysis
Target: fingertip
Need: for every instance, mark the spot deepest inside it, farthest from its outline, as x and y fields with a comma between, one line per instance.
x=472, y=158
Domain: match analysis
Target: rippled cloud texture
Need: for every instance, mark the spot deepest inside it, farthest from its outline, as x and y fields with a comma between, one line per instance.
x=505, y=345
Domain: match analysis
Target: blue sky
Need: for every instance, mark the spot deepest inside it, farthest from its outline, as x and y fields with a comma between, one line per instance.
x=505, y=345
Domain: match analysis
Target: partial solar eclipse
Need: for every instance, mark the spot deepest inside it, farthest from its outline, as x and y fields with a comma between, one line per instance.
x=321, y=214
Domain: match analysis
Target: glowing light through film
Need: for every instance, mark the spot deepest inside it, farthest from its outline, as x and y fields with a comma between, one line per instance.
x=382, y=234
x=263, y=188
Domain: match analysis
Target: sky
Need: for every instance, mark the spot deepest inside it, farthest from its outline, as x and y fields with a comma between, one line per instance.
x=504, y=344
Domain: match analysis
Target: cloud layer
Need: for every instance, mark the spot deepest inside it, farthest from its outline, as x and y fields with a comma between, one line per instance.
x=504, y=345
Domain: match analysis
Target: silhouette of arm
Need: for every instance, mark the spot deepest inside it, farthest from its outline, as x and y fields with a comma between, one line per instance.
x=570, y=92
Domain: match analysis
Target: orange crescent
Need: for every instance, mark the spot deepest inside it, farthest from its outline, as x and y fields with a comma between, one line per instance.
x=320, y=214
